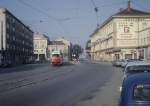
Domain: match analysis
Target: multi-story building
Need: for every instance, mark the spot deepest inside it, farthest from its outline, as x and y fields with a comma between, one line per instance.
x=61, y=44
x=16, y=40
x=122, y=36
x=56, y=45
x=67, y=50
x=40, y=47
x=144, y=40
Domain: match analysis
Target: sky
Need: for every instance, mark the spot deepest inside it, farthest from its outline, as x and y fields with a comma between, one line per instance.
x=74, y=20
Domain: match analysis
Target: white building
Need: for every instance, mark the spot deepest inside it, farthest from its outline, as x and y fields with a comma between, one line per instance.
x=61, y=44
x=40, y=46
x=122, y=36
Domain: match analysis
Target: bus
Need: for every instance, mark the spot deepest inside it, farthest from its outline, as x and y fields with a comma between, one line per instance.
x=56, y=58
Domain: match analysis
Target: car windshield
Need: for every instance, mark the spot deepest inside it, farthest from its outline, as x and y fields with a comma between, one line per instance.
x=141, y=93
x=138, y=69
x=55, y=55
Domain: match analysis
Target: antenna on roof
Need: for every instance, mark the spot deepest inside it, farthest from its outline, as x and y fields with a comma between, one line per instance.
x=129, y=5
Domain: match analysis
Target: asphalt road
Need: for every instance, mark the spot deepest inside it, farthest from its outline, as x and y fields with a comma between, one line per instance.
x=45, y=85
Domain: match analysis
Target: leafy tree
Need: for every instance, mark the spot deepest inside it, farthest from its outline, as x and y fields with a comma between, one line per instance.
x=77, y=50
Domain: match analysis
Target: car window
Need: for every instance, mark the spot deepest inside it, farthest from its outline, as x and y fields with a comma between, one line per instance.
x=141, y=93
x=136, y=69
x=55, y=55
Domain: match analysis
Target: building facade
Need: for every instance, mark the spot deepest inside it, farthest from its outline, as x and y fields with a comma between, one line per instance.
x=61, y=44
x=125, y=35
x=56, y=45
x=40, y=47
x=16, y=40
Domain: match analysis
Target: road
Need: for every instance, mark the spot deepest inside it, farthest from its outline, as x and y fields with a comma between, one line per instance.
x=45, y=85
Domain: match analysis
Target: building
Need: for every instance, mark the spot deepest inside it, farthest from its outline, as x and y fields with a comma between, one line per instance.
x=40, y=47
x=144, y=41
x=68, y=45
x=88, y=49
x=16, y=40
x=56, y=45
x=124, y=35
x=61, y=44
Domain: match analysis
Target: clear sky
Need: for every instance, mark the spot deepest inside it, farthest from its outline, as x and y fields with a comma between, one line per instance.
x=74, y=20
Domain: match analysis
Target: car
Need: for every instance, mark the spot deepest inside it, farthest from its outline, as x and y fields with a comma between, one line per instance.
x=117, y=63
x=56, y=58
x=136, y=90
x=136, y=67
x=126, y=61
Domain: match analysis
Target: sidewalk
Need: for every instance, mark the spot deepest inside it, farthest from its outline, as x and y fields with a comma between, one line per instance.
x=107, y=95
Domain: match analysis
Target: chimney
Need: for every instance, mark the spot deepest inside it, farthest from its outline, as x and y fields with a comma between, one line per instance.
x=129, y=6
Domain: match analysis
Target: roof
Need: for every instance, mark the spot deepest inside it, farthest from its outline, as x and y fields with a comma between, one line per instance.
x=126, y=12
x=5, y=10
x=134, y=63
x=137, y=78
x=64, y=41
x=56, y=43
x=131, y=12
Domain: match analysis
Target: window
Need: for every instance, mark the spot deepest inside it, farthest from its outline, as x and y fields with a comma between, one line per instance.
x=7, y=26
x=144, y=25
x=7, y=46
x=142, y=93
x=55, y=55
x=35, y=45
x=138, y=69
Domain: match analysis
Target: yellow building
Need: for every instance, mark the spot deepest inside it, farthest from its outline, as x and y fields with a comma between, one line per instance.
x=122, y=36
x=61, y=44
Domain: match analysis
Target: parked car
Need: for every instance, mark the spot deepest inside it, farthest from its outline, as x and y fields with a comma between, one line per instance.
x=136, y=67
x=136, y=90
x=126, y=61
x=117, y=63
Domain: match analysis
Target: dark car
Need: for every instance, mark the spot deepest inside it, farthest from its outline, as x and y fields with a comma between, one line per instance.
x=136, y=90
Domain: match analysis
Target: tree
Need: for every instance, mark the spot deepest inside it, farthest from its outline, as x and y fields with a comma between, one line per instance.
x=77, y=50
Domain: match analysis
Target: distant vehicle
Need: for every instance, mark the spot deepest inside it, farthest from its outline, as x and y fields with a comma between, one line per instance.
x=136, y=67
x=56, y=58
x=75, y=57
x=136, y=90
x=126, y=61
x=117, y=63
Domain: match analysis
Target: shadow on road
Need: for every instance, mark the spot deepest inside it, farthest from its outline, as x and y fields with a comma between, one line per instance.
x=64, y=64
x=27, y=67
x=30, y=67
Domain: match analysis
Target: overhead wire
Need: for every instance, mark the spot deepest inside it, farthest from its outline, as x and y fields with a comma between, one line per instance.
x=96, y=12
x=113, y=4
x=44, y=13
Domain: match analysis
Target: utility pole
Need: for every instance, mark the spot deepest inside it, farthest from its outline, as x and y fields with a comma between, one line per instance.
x=96, y=11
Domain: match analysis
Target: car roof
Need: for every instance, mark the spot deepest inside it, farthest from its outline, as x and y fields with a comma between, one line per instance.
x=138, y=63
x=137, y=78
